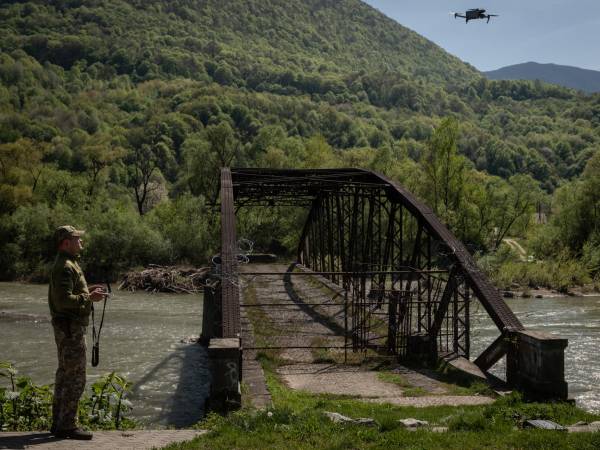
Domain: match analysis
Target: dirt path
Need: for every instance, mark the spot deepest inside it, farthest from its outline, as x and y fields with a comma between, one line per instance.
x=516, y=247
x=289, y=317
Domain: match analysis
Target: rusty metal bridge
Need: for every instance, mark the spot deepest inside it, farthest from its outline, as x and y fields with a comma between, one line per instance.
x=409, y=283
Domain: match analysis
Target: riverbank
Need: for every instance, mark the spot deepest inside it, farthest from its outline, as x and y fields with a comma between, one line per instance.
x=577, y=291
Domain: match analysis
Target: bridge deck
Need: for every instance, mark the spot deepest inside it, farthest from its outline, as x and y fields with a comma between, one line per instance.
x=291, y=315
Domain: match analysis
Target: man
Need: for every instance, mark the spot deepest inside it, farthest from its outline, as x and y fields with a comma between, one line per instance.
x=70, y=302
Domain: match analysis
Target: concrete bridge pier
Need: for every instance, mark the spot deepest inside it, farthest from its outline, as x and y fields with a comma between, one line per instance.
x=225, y=356
x=535, y=364
x=534, y=361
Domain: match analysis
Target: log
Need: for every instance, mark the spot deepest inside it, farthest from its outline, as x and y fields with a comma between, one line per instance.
x=174, y=279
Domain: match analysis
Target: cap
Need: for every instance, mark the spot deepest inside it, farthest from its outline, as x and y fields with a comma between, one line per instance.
x=66, y=232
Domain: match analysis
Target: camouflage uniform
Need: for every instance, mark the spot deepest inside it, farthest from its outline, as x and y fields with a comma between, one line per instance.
x=70, y=306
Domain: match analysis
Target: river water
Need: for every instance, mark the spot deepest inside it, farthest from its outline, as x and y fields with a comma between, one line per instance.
x=145, y=338
x=143, y=334
x=574, y=318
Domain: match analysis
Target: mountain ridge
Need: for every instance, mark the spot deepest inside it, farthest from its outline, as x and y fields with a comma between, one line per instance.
x=585, y=80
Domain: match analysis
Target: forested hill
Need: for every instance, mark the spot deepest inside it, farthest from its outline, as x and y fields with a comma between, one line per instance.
x=116, y=116
x=255, y=40
x=572, y=77
x=342, y=54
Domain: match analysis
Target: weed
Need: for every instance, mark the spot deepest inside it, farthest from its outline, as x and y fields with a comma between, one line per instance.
x=25, y=406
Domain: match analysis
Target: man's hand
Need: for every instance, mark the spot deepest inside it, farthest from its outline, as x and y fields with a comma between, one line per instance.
x=98, y=294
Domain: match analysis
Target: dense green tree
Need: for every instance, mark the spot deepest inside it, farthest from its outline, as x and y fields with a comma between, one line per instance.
x=445, y=170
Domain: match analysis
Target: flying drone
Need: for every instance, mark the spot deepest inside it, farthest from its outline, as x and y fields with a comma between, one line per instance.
x=472, y=14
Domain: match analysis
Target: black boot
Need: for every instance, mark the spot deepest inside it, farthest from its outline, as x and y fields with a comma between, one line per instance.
x=77, y=433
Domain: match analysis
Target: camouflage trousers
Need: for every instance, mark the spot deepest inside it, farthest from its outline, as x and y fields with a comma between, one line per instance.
x=69, y=383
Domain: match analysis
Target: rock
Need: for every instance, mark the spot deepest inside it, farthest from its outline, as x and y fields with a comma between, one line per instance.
x=413, y=423
x=539, y=296
x=340, y=418
x=439, y=429
x=508, y=294
x=525, y=294
x=583, y=427
x=337, y=417
x=543, y=425
x=579, y=424
x=365, y=421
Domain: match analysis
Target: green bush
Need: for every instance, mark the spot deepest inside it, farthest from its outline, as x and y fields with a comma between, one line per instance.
x=118, y=239
x=591, y=255
x=106, y=407
x=560, y=273
x=184, y=224
x=25, y=406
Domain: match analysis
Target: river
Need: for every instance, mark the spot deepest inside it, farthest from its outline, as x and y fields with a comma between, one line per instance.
x=145, y=338
x=143, y=334
x=574, y=318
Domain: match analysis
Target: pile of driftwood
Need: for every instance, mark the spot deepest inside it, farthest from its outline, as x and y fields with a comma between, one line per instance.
x=179, y=280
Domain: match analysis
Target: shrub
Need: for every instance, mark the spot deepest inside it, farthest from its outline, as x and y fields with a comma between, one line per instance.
x=591, y=255
x=469, y=421
x=118, y=239
x=184, y=224
x=560, y=273
x=106, y=407
x=25, y=406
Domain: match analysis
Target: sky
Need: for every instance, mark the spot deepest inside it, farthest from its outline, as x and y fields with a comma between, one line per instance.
x=545, y=31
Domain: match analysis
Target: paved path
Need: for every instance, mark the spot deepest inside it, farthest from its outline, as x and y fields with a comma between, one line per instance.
x=103, y=440
x=258, y=394
x=287, y=315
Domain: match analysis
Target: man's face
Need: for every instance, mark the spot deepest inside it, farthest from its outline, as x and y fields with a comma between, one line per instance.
x=74, y=245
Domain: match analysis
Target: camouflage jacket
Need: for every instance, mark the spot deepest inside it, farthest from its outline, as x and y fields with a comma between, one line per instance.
x=68, y=295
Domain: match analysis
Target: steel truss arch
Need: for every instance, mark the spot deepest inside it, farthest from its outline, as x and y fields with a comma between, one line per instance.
x=409, y=281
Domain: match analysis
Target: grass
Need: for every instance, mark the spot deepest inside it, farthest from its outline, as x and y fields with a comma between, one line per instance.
x=407, y=389
x=561, y=273
x=296, y=421
x=468, y=387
